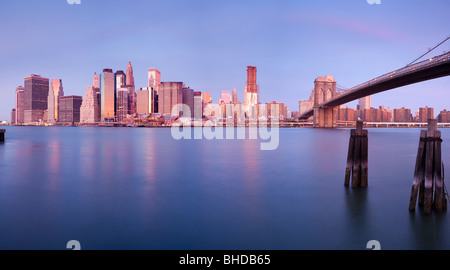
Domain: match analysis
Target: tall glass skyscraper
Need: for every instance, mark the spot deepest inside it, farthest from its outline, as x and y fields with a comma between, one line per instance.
x=108, y=95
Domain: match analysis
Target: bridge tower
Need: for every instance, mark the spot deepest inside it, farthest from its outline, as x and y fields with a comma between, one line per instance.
x=324, y=89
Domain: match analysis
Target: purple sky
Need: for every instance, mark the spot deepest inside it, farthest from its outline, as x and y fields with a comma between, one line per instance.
x=208, y=44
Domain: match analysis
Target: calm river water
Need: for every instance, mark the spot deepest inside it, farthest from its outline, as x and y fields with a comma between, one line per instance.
x=138, y=188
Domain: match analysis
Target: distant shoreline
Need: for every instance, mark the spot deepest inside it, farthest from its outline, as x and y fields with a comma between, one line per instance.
x=281, y=125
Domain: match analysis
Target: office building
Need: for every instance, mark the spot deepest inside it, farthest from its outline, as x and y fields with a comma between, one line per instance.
x=198, y=105
x=89, y=110
x=20, y=94
x=131, y=89
x=69, y=109
x=364, y=103
x=51, y=114
x=35, y=98
x=122, y=104
x=58, y=91
x=145, y=101
x=425, y=114
x=188, y=100
x=235, y=97
x=13, y=116
x=170, y=96
x=108, y=95
x=251, y=91
x=154, y=78
x=225, y=97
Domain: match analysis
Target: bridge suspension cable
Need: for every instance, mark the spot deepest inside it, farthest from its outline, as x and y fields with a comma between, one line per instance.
x=442, y=42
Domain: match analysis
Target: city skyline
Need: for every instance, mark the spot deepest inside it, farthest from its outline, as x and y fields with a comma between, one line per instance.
x=287, y=65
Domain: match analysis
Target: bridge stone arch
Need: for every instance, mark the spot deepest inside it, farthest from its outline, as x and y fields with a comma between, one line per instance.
x=324, y=89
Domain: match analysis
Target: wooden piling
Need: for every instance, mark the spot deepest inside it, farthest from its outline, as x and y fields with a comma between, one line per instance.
x=356, y=176
x=357, y=165
x=351, y=146
x=364, y=158
x=428, y=200
x=428, y=180
x=2, y=135
x=438, y=192
x=418, y=170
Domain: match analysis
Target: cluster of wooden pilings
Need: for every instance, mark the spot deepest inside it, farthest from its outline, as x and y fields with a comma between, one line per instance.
x=357, y=165
x=428, y=181
x=2, y=135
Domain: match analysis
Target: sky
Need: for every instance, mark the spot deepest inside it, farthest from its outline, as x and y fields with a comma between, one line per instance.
x=208, y=44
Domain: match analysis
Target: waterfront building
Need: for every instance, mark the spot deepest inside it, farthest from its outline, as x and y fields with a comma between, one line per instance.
x=131, y=89
x=108, y=95
x=170, y=94
x=188, y=99
x=402, y=115
x=306, y=105
x=58, y=91
x=69, y=109
x=89, y=110
x=122, y=104
x=13, y=116
x=251, y=87
x=425, y=114
x=225, y=97
x=51, y=115
x=20, y=94
x=35, y=98
x=444, y=116
x=198, y=105
x=145, y=101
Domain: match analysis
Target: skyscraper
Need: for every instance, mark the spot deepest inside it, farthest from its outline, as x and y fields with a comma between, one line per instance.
x=122, y=104
x=198, y=105
x=188, y=99
x=96, y=84
x=108, y=95
x=96, y=81
x=170, y=95
x=69, y=109
x=225, y=96
x=35, y=98
x=235, y=97
x=20, y=93
x=58, y=92
x=251, y=90
x=143, y=101
x=365, y=103
x=51, y=106
x=131, y=89
x=154, y=78
x=120, y=79
x=13, y=116
x=206, y=98
x=89, y=110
